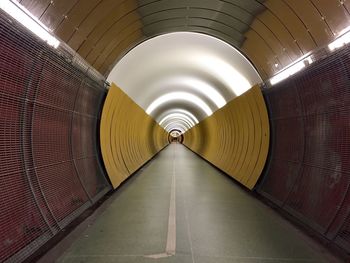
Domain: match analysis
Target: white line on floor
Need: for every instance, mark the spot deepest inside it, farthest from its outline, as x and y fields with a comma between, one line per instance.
x=171, y=240
x=170, y=248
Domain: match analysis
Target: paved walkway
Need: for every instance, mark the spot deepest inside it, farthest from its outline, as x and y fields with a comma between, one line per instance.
x=179, y=208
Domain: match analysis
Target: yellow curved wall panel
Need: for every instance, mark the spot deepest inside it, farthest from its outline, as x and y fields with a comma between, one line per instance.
x=235, y=138
x=129, y=137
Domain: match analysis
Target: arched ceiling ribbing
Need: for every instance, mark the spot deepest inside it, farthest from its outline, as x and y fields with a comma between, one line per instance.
x=183, y=72
x=272, y=33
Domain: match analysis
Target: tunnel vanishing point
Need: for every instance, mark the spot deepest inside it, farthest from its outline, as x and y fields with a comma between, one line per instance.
x=174, y=131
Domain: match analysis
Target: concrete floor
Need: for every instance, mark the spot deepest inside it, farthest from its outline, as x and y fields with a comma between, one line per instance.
x=216, y=220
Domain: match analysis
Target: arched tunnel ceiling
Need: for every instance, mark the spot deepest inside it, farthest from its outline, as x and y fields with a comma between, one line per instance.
x=183, y=71
x=272, y=33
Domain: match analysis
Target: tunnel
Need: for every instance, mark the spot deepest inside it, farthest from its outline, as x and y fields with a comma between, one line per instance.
x=174, y=131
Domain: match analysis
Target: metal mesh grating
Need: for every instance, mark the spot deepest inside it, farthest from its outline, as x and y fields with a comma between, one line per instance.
x=49, y=112
x=309, y=169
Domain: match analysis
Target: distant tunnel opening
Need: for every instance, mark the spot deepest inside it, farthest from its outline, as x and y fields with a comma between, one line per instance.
x=175, y=136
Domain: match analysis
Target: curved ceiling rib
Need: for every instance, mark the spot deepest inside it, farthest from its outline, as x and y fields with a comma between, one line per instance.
x=173, y=126
x=179, y=96
x=170, y=125
x=187, y=71
x=178, y=120
x=272, y=33
x=173, y=106
x=186, y=83
x=175, y=116
x=183, y=112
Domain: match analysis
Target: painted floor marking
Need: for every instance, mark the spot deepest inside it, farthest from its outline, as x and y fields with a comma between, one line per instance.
x=170, y=248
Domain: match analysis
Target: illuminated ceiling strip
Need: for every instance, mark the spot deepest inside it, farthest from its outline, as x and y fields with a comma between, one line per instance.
x=181, y=111
x=174, y=131
x=343, y=39
x=177, y=115
x=176, y=127
x=178, y=119
x=22, y=15
x=188, y=114
x=179, y=96
x=201, y=86
x=177, y=123
x=181, y=130
x=171, y=125
x=229, y=75
x=291, y=69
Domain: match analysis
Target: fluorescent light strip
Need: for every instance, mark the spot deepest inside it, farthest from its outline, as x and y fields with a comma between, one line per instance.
x=205, y=89
x=291, y=70
x=181, y=111
x=195, y=84
x=179, y=130
x=177, y=123
x=230, y=76
x=178, y=119
x=343, y=39
x=189, y=114
x=184, y=125
x=189, y=121
x=179, y=96
x=23, y=16
x=177, y=115
x=176, y=126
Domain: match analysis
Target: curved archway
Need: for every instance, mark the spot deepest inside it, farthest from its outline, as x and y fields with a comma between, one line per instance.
x=179, y=111
x=175, y=116
x=188, y=70
x=178, y=118
x=175, y=136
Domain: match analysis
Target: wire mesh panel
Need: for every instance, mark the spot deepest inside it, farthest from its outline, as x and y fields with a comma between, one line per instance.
x=309, y=169
x=49, y=111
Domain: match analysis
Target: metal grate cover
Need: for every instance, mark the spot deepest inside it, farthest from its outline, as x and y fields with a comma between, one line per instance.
x=49, y=112
x=308, y=174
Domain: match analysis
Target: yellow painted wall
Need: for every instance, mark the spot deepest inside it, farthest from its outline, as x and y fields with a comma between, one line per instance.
x=129, y=137
x=235, y=138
